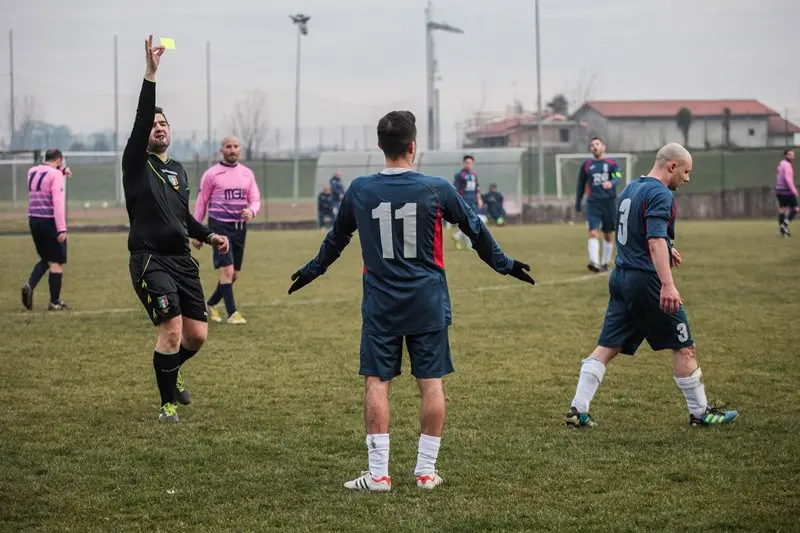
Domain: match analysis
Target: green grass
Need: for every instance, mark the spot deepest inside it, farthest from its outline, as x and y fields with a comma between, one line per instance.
x=275, y=427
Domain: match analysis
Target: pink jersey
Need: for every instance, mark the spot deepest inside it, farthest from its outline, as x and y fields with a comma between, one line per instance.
x=225, y=192
x=785, y=178
x=47, y=197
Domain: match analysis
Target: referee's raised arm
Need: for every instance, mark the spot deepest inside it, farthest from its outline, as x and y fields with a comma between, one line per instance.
x=136, y=148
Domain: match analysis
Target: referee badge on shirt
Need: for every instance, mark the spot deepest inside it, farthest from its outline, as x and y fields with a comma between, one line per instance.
x=173, y=180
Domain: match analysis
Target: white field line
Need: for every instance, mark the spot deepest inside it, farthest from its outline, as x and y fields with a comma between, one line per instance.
x=288, y=302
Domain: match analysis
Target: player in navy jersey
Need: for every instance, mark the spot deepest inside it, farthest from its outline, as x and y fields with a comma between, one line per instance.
x=598, y=179
x=466, y=183
x=399, y=214
x=644, y=303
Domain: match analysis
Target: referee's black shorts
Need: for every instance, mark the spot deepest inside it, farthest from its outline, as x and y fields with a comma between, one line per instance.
x=168, y=286
x=45, y=238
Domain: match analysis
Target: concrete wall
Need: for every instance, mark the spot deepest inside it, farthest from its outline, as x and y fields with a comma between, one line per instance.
x=645, y=134
x=756, y=202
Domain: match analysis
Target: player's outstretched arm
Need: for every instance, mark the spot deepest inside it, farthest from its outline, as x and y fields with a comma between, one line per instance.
x=457, y=212
x=332, y=246
x=136, y=148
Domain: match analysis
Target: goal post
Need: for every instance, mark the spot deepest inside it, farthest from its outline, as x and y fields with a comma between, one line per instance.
x=568, y=166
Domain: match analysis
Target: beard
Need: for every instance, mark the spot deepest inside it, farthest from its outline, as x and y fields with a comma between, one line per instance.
x=158, y=145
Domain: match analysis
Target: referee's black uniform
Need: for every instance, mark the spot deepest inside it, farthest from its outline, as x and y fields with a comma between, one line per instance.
x=165, y=276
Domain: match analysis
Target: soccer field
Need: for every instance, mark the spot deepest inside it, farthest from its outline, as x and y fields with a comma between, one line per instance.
x=275, y=426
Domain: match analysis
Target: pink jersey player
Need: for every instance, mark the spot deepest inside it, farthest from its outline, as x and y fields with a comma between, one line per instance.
x=47, y=198
x=225, y=192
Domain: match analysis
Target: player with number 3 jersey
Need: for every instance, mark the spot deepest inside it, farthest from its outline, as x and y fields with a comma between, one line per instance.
x=398, y=214
x=644, y=302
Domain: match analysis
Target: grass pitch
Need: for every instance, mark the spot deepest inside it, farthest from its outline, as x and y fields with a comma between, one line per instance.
x=275, y=425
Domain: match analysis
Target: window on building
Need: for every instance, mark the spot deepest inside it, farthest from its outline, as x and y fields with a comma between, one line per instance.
x=751, y=132
x=563, y=135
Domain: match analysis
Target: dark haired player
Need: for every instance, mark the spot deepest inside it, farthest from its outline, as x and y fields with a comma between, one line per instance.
x=398, y=214
x=644, y=302
x=598, y=178
x=165, y=276
x=466, y=183
x=47, y=220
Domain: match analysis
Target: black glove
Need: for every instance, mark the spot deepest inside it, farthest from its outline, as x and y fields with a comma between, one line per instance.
x=300, y=281
x=520, y=271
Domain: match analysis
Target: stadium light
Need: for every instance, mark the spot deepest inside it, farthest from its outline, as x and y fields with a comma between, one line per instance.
x=432, y=94
x=539, y=127
x=301, y=21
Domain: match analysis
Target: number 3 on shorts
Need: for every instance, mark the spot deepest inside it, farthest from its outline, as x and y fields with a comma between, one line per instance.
x=683, y=332
x=622, y=231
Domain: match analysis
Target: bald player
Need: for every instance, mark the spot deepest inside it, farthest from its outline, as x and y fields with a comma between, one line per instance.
x=230, y=196
x=644, y=302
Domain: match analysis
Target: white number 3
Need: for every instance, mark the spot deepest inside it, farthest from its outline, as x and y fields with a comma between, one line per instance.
x=683, y=332
x=624, y=210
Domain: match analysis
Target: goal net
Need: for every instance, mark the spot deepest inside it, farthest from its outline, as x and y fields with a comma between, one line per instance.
x=568, y=166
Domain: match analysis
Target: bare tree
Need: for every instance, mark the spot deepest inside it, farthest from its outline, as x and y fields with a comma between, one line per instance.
x=249, y=123
x=559, y=104
x=27, y=114
x=585, y=87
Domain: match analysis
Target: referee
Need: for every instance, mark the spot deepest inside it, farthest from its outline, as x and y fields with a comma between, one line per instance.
x=165, y=276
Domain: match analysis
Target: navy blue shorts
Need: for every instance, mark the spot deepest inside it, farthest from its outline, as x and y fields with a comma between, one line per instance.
x=237, y=234
x=382, y=355
x=602, y=215
x=634, y=314
x=45, y=238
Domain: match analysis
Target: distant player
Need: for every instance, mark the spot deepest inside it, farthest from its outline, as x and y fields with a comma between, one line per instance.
x=398, y=214
x=337, y=192
x=230, y=195
x=466, y=183
x=325, y=214
x=165, y=276
x=786, y=192
x=493, y=203
x=47, y=220
x=598, y=178
x=644, y=303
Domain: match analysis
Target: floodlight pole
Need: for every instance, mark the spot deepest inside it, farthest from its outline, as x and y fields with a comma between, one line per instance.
x=301, y=21
x=539, y=127
x=432, y=93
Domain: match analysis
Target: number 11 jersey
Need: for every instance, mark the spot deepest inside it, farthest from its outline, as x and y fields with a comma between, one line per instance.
x=399, y=216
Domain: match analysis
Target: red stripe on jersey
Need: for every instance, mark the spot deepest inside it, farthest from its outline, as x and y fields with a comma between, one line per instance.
x=644, y=216
x=674, y=213
x=588, y=190
x=438, y=244
x=586, y=165
x=365, y=269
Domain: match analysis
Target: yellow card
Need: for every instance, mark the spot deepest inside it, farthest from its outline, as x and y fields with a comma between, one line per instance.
x=168, y=43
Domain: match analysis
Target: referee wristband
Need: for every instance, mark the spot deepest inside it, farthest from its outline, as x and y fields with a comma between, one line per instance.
x=210, y=236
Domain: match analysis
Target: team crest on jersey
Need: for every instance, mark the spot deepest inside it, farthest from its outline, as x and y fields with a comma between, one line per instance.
x=162, y=302
x=173, y=180
x=605, y=167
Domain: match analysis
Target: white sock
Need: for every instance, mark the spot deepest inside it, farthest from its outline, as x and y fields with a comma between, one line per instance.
x=594, y=251
x=378, y=449
x=608, y=249
x=694, y=391
x=592, y=372
x=428, y=452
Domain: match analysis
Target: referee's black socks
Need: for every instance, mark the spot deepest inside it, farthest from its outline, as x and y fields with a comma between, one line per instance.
x=186, y=354
x=166, y=367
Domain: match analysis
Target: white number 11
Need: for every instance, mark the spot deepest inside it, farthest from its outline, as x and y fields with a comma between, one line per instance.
x=408, y=214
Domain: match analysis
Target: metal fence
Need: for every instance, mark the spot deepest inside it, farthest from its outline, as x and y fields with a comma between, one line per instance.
x=94, y=191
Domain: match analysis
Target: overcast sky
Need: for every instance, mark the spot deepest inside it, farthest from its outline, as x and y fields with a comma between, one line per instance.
x=365, y=57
